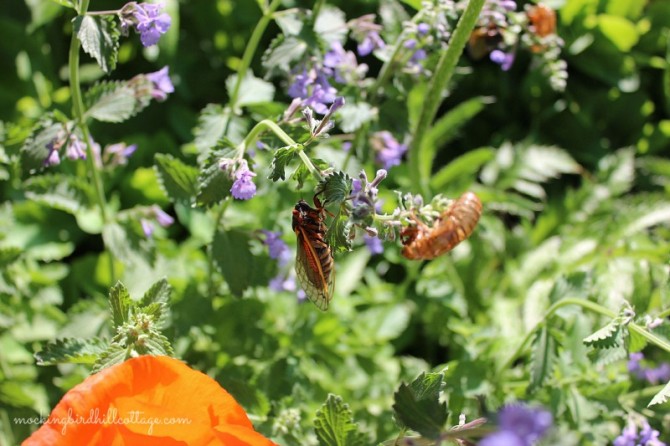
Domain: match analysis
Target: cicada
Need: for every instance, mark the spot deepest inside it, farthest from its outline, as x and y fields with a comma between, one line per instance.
x=423, y=242
x=314, y=264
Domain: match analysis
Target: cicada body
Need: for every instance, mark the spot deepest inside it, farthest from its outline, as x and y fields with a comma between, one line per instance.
x=422, y=242
x=314, y=264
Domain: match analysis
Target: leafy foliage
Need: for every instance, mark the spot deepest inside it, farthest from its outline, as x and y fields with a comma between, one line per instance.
x=418, y=406
x=334, y=425
x=99, y=37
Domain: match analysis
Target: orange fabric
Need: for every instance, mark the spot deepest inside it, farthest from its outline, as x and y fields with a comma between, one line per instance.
x=150, y=400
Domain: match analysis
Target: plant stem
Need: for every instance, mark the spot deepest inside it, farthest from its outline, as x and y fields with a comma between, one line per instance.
x=250, y=50
x=561, y=303
x=651, y=337
x=317, y=9
x=266, y=124
x=443, y=73
x=79, y=115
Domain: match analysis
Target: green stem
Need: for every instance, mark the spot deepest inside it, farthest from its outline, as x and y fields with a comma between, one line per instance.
x=250, y=50
x=649, y=336
x=210, y=260
x=266, y=124
x=664, y=314
x=79, y=115
x=561, y=303
x=443, y=73
x=317, y=9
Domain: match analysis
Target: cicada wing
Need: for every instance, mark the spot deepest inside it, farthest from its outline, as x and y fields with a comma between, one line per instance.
x=318, y=287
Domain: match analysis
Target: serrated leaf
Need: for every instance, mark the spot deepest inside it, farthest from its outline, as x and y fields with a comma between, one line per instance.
x=99, y=37
x=335, y=188
x=111, y=102
x=606, y=356
x=215, y=123
x=418, y=407
x=353, y=116
x=661, y=397
x=113, y=355
x=337, y=235
x=282, y=157
x=34, y=150
x=156, y=344
x=282, y=52
x=64, y=192
x=178, y=180
x=155, y=301
x=334, y=424
x=290, y=21
x=543, y=358
x=119, y=304
x=301, y=174
x=214, y=183
x=252, y=90
x=70, y=350
x=9, y=254
x=331, y=25
x=636, y=342
x=239, y=266
x=606, y=337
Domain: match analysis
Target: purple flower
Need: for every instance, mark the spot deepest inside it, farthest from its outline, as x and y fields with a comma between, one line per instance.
x=505, y=60
x=147, y=227
x=528, y=423
x=519, y=425
x=630, y=437
x=364, y=194
x=422, y=28
x=277, y=248
x=243, y=188
x=76, y=149
x=344, y=64
x=150, y=22
x=371, y=42
x=52, y=159
x=161, y=216
x=649, y=374
x=373, y=244
x=162, y=85
x=118, y=154
x=314, y=89
x=389, y=150
x=502, y=438
x=283, y=283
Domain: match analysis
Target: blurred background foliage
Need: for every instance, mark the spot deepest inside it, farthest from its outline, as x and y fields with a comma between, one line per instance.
x=575, y=188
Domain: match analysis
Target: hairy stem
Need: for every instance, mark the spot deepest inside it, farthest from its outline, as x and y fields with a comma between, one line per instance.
x=79, y=112
x=250, y=50
x=443, y=73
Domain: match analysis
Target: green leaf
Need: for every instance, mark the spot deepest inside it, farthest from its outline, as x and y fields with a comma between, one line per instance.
x=353, y=116
x=290, y=21
x=334, y=424
x=301, y=174
x=113, y=355
x=34, y=150
x=606, y=337
x=620, y=31
x=464, y=167
x=543, y=359
x=331, y=25
x=282, y=52
x=64, y=192
x=9, y=254
x=155, y=302
x=446, y=128
x=661, y=397
x=70, y=350
x=212, y=124
x=178, y=180
x=282, y=157
x=335, y=188
x=337, y=235
x=214, y=183
x=111, y=102
x=252, y=90
x=418, y=407
x=238, y=265
x=99, y=37
x=119, y=304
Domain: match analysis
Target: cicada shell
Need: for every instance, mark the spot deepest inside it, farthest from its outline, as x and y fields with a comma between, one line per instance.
x=543, y=20
x=314, y=264
x=422, y=242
